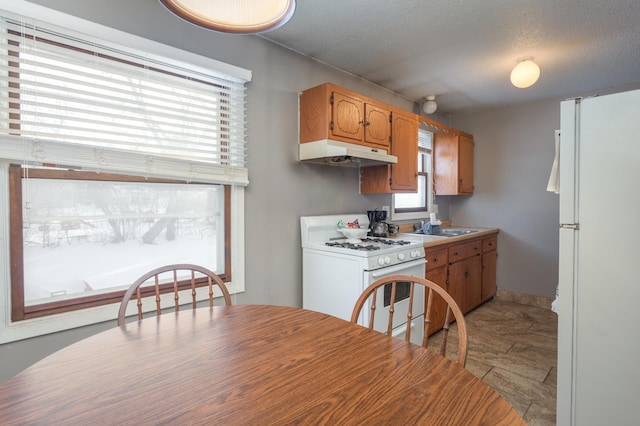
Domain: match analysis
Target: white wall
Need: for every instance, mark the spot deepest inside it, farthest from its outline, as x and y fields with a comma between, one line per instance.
x=514, y=150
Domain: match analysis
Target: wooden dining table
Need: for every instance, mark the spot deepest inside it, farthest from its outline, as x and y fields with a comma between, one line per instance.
x=249, y=365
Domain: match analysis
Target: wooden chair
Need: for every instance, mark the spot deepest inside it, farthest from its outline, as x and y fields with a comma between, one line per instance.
x=197, y=273
x=431, y=305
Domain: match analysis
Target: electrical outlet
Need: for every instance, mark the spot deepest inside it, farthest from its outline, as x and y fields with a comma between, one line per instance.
x=387, y=209
x=434, y=208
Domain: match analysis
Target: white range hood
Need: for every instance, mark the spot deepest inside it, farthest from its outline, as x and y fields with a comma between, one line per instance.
x=335, y=153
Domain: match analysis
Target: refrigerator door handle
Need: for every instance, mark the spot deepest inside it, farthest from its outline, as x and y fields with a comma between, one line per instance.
x=574, y=226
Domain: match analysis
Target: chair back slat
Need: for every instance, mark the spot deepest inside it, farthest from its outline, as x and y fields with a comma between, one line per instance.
x=392, y=308
x=372, y=314
x=431, y=291
x=427, y=318
x=176, y=297
x=212, y=280
x=407, y=335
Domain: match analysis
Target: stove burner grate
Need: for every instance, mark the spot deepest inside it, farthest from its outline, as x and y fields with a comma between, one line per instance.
x=387, y=242
x=353, y=246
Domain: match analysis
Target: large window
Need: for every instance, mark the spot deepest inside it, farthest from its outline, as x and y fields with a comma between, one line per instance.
x=126, y=154
x=418, y=204
x=80, y=238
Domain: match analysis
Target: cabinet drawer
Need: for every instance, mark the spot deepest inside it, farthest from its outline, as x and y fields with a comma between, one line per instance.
x=436, y=258
x=464, y=251
x=490, y=243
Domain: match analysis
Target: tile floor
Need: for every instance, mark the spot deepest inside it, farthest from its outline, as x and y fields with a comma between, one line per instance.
x=512, y=348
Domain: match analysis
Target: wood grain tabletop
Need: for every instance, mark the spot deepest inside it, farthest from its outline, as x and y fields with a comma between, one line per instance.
x=249, y=365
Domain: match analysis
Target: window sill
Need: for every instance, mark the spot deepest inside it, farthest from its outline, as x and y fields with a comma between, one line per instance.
x=54, y=323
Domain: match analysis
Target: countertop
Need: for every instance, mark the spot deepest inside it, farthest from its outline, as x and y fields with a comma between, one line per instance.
x=434, y=240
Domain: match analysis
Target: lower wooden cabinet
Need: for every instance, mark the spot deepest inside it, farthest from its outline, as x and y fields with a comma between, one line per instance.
x=467, y=270
x=489, y=263
x=465, y=282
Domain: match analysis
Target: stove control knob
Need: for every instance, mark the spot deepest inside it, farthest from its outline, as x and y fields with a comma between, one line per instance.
x=400, y=256
x=381, y=261
x=387, y=260
x=415, y=253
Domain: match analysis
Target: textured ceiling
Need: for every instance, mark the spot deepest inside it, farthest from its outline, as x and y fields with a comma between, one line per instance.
x=463, y=50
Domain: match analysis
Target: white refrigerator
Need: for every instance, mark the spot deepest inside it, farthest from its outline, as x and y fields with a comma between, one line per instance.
x=599, y=265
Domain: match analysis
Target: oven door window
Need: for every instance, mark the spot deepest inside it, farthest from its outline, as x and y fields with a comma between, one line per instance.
x=403, y=291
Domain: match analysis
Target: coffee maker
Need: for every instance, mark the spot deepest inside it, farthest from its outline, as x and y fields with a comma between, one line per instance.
x=377, y=225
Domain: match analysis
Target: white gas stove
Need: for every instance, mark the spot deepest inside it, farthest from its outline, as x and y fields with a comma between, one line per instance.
x=335, y=272
x=321, y=233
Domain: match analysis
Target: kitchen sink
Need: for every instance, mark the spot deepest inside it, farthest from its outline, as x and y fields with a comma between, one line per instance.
x=454, y=232
x=428, y=237
x=447, y=232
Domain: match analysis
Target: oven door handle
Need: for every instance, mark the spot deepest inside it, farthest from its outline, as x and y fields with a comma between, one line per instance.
x=397, y=268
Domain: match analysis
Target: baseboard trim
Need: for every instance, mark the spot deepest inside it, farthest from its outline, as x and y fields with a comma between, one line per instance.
x=524, y=299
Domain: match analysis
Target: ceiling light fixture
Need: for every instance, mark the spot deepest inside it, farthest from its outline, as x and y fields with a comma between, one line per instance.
x=525, y=74
x=430, y=106
x=234, y=16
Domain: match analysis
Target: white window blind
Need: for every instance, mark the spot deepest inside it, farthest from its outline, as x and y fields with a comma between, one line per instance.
x=425, y=140
x=74, y=100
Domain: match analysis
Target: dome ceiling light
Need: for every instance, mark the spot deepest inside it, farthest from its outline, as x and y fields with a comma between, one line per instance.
x=430, y=106
x=234, y=16
x=525, y=74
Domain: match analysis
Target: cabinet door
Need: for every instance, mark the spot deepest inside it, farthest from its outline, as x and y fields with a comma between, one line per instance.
x=347, y=118
x=453, y=164
x=402, y=176
x=465, y=282
x=489, y=288
x=377, y=125
x=438, y=305
x=404, y=145
x=465, y=166
x=445, y=163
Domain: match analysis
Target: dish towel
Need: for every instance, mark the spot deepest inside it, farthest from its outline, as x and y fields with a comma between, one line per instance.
x=554, y=178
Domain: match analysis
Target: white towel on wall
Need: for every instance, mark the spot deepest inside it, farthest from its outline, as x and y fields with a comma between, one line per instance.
x=554, y=178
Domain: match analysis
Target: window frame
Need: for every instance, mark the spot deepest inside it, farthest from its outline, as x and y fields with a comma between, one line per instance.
x=418, y=212
x=12, y=331
x=19, y=311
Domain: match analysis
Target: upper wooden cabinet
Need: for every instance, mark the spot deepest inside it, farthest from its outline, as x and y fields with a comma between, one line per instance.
x=453, y=163
x=332, y=112
x=402, y=176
